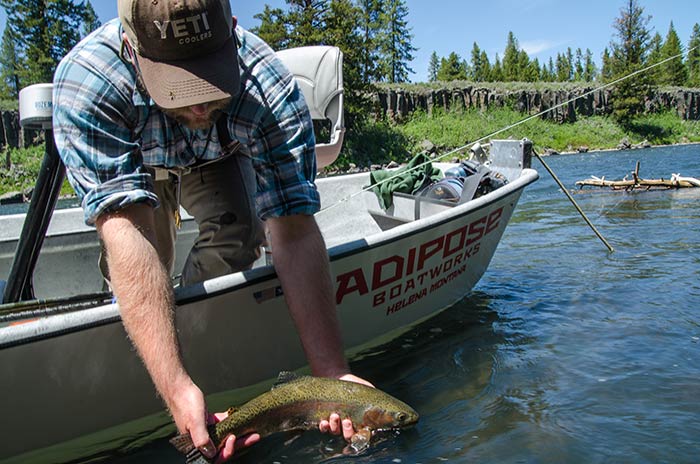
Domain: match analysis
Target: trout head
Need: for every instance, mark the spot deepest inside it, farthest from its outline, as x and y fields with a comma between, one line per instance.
x=380, y=418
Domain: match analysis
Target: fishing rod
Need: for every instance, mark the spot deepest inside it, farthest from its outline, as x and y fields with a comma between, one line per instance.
x=516, y=124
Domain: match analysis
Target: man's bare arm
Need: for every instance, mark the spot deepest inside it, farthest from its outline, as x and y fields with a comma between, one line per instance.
x=144, y=293
x=301, y=261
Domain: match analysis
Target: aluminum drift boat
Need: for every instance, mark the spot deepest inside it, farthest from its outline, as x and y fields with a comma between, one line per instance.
x=73, y=387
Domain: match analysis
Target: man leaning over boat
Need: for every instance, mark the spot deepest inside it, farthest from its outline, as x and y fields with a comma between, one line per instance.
x=172, y=104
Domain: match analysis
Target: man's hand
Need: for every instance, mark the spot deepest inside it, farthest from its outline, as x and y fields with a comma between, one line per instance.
x=189, y=412
x=231, y=444
x=334, y=424
x=190, y=415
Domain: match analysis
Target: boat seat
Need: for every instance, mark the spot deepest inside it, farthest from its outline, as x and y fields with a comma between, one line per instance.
x=319, y=73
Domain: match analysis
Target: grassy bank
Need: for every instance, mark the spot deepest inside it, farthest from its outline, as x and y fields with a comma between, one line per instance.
x=382, y=141
x=451, y=130
x=24, y=170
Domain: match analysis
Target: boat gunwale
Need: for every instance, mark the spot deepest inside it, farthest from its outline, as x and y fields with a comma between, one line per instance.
x=47, y=327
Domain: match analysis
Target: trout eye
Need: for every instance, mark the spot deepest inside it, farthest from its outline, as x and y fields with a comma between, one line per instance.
x=401, y=417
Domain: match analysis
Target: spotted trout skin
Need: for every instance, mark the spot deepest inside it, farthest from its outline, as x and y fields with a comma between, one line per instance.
x=300, y=403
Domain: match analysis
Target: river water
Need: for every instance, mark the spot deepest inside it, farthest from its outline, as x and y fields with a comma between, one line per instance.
x=564, y=352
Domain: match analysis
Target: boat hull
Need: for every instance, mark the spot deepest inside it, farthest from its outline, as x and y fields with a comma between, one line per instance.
x=76, y=387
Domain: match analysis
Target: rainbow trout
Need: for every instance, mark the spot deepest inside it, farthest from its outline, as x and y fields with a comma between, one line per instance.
x=300, y=403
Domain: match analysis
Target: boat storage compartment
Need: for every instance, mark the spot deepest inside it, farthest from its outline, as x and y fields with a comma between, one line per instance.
x=407, y=208
x=506, y=157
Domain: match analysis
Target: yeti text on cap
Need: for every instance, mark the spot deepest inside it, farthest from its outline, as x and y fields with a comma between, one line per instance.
x=190, y=29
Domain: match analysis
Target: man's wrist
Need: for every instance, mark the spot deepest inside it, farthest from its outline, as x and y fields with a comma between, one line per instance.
x=176, y=387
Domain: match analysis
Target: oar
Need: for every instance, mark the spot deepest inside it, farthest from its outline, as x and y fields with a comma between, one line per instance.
x=568, y=195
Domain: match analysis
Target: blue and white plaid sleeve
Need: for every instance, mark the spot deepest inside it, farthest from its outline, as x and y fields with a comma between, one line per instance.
x=93, y=121
x=277, y=127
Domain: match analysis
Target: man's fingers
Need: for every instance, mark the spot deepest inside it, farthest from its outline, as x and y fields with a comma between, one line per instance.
x=208, y=449
x=201, y=439
x=356, y=379
x=324, y=426
x=231, y=444
x=348, y=431
x=334, y=423
x=227, y=450
x=247, y=440
x=216, y=417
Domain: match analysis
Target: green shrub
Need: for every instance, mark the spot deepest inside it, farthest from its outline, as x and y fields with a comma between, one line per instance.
x=24, y=170
x=8, y=105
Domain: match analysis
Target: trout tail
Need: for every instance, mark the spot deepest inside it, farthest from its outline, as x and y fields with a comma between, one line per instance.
x=183, y=443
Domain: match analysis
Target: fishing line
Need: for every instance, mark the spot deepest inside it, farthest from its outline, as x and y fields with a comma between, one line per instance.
x=504, y=129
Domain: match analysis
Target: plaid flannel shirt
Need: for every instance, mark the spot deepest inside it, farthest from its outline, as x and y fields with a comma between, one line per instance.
x=106, y=131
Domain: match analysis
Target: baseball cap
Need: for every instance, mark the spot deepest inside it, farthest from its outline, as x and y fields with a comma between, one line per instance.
x=185, y=49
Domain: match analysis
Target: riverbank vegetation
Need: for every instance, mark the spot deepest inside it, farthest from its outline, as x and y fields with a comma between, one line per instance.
x=443, y=132
x=382, y=141
x=21, y=169
x=376, y=41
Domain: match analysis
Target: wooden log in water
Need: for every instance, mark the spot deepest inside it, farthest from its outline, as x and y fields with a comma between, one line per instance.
x=675, y=182
x=639, y=183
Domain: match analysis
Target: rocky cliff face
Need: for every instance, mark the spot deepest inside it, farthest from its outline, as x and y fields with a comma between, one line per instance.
x=397, y=103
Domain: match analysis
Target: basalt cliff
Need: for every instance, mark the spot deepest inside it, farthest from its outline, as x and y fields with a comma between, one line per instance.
x=398, y=103
x=569, y=103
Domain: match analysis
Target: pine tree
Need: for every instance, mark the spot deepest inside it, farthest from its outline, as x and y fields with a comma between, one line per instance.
x=693, y=60
x=370, y=27
x=90, y=20
x=341, y=30
x=433, y=67
x=590, y=71
x=578, y=65
x=496, y=74
x=485, y=66
x=511, y=60
x=452, y=68
x=65, y=21
x=532, y=69
x=629, y=54
x=306, y=21
x=547, y=71
x=477, y=67
x=674, y=70
x=655, y=56
x=606, y=72
x=29, y=21
x=273, y=28
x=480, y=66
x=394, y=43
x=9, y=62
x=564, y=67
x=44, y=30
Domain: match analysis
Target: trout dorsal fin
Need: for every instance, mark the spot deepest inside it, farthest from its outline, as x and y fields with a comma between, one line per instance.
x=285, y=377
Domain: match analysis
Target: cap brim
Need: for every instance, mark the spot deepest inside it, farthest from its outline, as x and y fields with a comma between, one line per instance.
x=176, y=84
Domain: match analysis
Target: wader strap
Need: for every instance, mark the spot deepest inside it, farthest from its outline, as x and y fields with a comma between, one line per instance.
x=228, y=145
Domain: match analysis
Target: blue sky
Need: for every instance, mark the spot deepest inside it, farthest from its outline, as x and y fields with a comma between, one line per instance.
x=543, y=28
